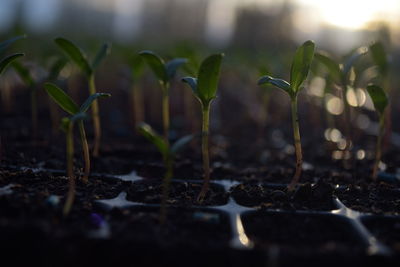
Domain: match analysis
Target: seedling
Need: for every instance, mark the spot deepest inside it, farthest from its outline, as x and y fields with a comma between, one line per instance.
x=204, y=88
x=77, y=113
x=298, y=74
x=168, y=154
x=8, y=59
x=340, y=74
x=137, y=70
x=80, y=59
x=164, y=73
x=380, y=100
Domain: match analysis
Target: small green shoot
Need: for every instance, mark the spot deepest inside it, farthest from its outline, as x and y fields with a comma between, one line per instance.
x=79, y=58
x=25, y=75
x=68, y=105
x=298, y=74
x=168, y=154
x=164, y=72
x=380, y=100
x=137, y=69
x=8, y=59
x=204, y=88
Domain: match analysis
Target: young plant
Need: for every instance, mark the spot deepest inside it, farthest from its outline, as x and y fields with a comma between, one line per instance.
x=164, y=73
x=204, y=88
x=80, y=59
x=298, y=74
x=137, y=70
x=25, y=75
x=168, y=154
x=380, y=101
x=340, y=75
x=68, y=105
x=8, y=59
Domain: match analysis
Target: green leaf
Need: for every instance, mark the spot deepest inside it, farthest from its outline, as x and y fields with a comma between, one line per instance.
x=7, y=60
x=173, y=65
x=154, y=138
x=352, y=60
x=156, y=64
x=301, y=65
x=282, y=84
x=61, y=98
x=331, y=65
x=24, y=74
x=88, y=102
x=5, y=44
x=181, y=143
x=379, y=56
x=103, y=52
x=207, y=81
x=75, y=54
x=56, y=68
x=192, y=82
x=379, y=98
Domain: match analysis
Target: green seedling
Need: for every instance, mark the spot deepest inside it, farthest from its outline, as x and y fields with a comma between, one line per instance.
x=168, y=154
x=340, y=74
x=380, y=100
x=8, y=59
x=164, y=73
x=68, y=105
x=137, y=70
x=204, y=88
x=298, y=74
x=80, y=59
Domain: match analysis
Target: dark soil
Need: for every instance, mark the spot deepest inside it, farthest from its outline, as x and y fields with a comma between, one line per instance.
x=376, y=198
x=181, y=193
x=306, y=197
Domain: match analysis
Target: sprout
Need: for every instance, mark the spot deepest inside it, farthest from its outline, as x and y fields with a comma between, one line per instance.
x=340, y=74
x=164, y=73
x=8, y=59
x=137, y=67
x=380, y=101
x=77, y=114
x=204, y=89
x=80, y=59
x=298, y=74
x=168, y=154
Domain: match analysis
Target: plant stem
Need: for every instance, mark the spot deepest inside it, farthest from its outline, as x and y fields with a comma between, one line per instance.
x=70, y=169
x=137, y=105
x=378, y=149
x=166, y=187
x=34, y=113
x=96, y=118
x=297, y=145
x=205, y=152
x=86, y=155
x=165, y=110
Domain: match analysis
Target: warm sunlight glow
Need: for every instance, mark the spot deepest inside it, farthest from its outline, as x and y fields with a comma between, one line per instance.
x=352, y=14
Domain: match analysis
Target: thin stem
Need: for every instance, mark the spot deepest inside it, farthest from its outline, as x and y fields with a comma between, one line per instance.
x=137, y=105
x=70, y=170
x=96, y=118
x=165, y=111
x=205, y=152
x=297, y=145
x=168, y=161
x=378, y=149
x=85, y=149
x=34, y=113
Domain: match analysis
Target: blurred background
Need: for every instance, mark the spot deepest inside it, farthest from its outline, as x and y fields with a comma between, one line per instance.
x=336, y=25
x=258, y=37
